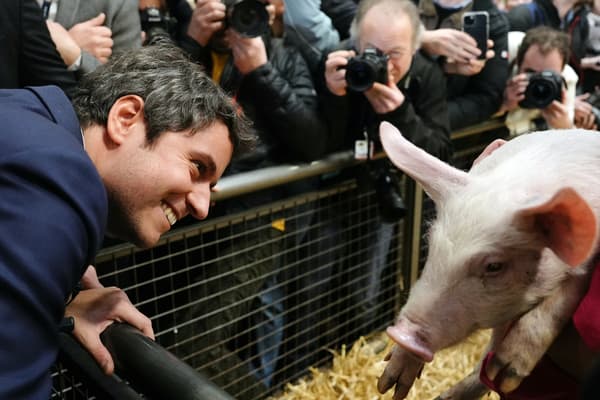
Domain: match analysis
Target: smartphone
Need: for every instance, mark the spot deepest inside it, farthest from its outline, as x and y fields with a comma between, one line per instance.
x=476, y=24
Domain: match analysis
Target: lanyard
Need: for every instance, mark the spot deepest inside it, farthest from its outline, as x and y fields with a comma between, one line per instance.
x=46, y=8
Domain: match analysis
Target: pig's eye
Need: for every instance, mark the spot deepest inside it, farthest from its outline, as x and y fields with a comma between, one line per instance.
x=494, y=268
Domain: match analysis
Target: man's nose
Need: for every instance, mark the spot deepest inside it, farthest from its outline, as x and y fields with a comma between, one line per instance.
x=198, y=200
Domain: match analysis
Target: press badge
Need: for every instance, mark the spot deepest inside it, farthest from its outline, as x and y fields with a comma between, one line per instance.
x=363, y=149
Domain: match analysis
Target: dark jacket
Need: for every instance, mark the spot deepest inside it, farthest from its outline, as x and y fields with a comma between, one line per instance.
x=422, y=118
x=539, y=12
x=280, y=98
x=27, y=53
x=576, y=25
x=474, y=99
x=53, y=216
x=341, y=13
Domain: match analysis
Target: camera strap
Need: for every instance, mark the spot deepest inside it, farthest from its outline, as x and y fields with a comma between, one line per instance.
x=49, y=8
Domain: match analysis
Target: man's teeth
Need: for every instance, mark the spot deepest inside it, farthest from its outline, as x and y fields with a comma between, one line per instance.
x=169, y=213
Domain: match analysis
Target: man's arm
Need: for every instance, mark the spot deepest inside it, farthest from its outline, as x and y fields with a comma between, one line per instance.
x=53, y=211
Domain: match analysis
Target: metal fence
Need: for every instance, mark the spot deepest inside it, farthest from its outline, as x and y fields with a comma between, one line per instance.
x=253, y=299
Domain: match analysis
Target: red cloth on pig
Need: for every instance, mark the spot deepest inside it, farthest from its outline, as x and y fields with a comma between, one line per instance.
x=547, y=381
x=587, y=318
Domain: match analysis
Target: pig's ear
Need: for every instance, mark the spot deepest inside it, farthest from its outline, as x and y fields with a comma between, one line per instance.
x=567, y=224
x=436, y=177
x=490, y=148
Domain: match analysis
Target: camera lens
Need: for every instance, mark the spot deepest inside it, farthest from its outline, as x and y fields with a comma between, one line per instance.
x=360, y=76
x=543, y=88
x=249, y=18
x=541, y=92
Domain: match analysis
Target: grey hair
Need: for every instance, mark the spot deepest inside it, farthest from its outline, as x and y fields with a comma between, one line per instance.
x=178, y=95
x=395, y=8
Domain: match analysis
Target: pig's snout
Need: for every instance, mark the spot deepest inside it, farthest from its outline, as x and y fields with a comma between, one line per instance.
x=409, y=336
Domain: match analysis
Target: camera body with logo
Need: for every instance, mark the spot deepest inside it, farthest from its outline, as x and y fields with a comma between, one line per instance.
x=155, y=24
x=247, y=17
x=363, y=70
x=543, y=88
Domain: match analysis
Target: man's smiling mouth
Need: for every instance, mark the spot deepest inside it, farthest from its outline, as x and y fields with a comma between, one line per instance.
x=169, y=213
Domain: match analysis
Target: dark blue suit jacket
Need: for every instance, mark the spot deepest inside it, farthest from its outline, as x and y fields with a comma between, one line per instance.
x=53, y=211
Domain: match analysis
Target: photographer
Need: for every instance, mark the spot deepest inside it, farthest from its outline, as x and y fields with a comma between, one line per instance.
x=536, y=97
x=413, y=98
x=384, y=79
x=272, y=83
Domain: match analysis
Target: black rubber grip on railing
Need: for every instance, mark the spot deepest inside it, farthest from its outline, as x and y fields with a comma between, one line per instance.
x=81, y=365
x=153, y=370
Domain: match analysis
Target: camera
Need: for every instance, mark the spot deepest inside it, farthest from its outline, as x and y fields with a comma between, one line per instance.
x=390, y=204
x=155, y=24
x=543, y=88
x=248, y=17
x=364, y=70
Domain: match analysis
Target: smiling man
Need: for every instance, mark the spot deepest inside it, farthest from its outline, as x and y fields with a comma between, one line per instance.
x=146, y=139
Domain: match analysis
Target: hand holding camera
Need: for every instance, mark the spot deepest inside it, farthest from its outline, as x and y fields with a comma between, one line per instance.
x=208, y=18
x=542, y=89
x=335, y=71
x=385, y=98
x=364, y=70
x=367, y=73
x=248, y=53
x=533, y=90
x=250, y=18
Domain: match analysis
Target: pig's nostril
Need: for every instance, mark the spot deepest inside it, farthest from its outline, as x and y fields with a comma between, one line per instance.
x=411, y=343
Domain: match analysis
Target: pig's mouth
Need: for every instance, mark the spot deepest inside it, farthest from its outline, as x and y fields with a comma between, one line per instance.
x=411, y=343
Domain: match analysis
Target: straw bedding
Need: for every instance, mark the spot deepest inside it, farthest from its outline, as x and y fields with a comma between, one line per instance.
x=353, y=374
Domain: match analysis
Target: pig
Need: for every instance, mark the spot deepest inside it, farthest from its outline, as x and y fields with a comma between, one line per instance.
x=513, y=245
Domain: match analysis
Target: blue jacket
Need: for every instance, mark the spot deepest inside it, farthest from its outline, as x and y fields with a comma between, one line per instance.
x=53, y=211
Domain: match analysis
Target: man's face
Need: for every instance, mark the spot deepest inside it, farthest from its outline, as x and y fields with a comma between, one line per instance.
x=152, y=187
x=535, y=61
x=393, y=36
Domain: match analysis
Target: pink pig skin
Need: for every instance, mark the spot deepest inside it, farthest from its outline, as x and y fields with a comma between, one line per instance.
x=512, y=243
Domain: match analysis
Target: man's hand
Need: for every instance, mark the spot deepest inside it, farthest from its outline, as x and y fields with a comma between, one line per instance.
x=67, y=48
x=208, y=18
x=514, y=92
x=93, y=37
x=385, y=98
x=591, y=63
x=97, y=307
x=248, y=53
x=557, y=114
x=335, y=71
x=470, y=67
x=584, y=117
x=455, y=45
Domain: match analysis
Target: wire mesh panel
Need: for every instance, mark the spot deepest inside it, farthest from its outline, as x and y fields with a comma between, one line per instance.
x=252, y=300
x=66, y=386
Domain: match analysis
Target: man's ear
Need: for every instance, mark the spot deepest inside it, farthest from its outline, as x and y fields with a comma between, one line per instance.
x=124, y=115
